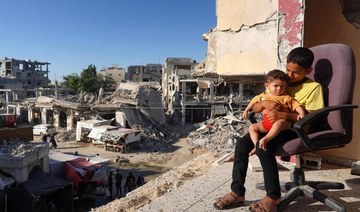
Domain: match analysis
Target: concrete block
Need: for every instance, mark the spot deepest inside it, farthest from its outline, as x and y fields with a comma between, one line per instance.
x=355, y=168
x=20, y=166
x=311, y=161
x=225, y=158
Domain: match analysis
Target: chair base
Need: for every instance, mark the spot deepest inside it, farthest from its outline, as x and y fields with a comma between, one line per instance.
x=309, y=191
x=299, y=187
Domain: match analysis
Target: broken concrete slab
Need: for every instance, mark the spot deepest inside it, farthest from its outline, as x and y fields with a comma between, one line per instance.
x=19, y=158
x=355, y=168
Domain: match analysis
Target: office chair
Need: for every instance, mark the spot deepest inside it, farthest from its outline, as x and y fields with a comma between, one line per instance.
x=334, y=69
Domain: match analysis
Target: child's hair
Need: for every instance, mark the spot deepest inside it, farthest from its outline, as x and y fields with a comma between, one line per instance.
x=302, y=56
x=276, y=74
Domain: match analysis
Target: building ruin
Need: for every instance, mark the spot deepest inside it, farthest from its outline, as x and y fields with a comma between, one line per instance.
x=23, y=74
x=147, y=73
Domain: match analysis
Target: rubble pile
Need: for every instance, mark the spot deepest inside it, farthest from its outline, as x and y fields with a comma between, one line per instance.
x=157, y=133
x=20, y=148
x=63, y=135
x=132, y=91
x=219, y=134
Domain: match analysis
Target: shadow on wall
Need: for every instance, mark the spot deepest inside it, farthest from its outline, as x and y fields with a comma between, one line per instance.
x=351, y=10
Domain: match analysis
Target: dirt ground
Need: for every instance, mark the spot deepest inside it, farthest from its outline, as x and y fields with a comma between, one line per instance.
x=138, y=161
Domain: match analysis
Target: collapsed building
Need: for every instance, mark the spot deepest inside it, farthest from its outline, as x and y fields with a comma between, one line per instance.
x=138, y=106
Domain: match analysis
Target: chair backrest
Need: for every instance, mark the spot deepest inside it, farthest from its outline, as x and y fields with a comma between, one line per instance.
x=334, y=68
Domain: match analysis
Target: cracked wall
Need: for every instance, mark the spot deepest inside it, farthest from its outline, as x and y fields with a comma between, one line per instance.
x=245, y=38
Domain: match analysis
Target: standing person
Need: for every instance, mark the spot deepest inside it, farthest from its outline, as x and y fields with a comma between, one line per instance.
x=53, y=142
x=110, y=184
x=130, y=182
x=275, y=84
x=44, y=138
x=140, y=180
x=309, y=94
x=118, y=179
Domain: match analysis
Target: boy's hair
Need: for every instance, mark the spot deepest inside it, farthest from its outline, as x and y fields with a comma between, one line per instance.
x=302, y=56
x=276, y=74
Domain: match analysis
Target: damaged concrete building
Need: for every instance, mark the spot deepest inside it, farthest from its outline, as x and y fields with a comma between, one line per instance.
x=116, y=72
x=21, y=75
x=147, y=73
x=175, y=70
x=60, y=113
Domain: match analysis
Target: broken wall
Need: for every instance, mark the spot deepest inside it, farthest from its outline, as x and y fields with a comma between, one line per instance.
x=120, y=119
x=252, y=37
x=333, y=27
x=150, y=101
x=144, y=96
x=244, y=41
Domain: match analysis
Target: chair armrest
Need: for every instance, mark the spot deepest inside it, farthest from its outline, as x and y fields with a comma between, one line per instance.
x=308, y=118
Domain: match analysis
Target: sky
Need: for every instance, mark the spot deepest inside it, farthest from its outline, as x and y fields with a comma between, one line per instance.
x=73, y=34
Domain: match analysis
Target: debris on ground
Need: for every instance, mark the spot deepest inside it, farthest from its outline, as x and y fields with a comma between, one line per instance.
x=220, y=133
x=64, y=135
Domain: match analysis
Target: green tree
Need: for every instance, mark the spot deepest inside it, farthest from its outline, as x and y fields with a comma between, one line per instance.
x=107, y=82
x=72, y=82
x=88, y=81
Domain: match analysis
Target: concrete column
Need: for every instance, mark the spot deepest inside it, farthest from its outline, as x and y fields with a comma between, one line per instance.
x=30, y=115
x=7, y=97
x=198, y=93
x=183, y=103
x=14, y=94
x=241, y=95
x=241, y=91
x=43, y=115
x=212, y=95
x=56, y=117
x=69, y=121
